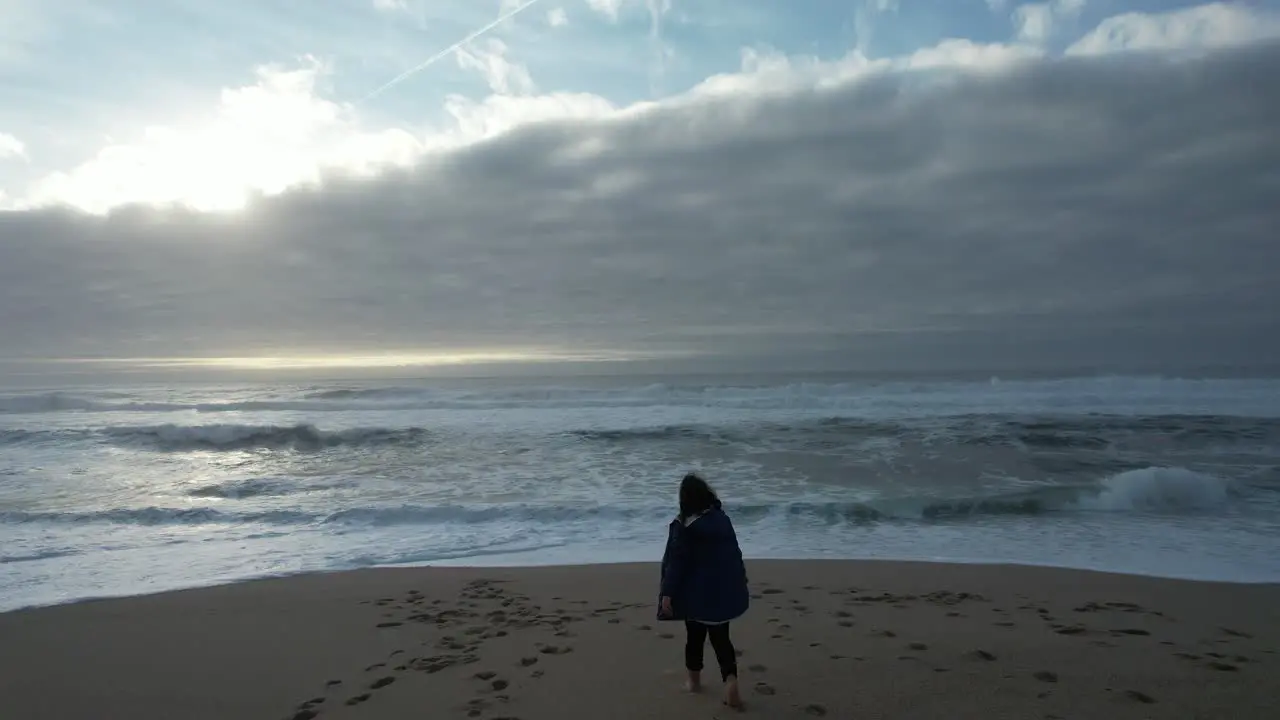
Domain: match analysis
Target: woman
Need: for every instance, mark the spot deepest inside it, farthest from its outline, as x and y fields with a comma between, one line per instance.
x=704, y=583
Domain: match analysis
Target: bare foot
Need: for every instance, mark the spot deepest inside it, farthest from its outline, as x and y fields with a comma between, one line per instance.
x=732, y=697
x=694, y=683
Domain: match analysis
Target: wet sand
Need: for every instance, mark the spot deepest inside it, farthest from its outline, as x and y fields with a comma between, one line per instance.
x=839, y=639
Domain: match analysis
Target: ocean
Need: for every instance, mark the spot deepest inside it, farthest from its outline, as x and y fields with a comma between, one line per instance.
x=129, y=489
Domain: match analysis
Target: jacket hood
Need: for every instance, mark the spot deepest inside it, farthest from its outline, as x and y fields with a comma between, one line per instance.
x=712, y=523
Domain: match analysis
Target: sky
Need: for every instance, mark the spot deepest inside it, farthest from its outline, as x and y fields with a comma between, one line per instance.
x=748, y=184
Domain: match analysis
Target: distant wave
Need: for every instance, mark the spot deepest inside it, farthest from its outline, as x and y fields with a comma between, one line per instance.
x=158, y=516
x=172, y=437
x=1070, y=443
x=1149, y=489
x=245, y=437
x=1123, y=395
x=1086, y=432
x=380, y=393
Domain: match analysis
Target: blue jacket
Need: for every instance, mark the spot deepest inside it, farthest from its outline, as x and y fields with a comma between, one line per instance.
x=702, y=570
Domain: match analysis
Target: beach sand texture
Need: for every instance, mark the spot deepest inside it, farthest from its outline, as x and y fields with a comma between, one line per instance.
x=838, y=639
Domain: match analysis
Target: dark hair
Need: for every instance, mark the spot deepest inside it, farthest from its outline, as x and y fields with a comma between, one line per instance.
x=696, y=496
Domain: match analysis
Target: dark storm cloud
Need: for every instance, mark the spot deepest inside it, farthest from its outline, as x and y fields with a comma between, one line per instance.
x=1110, y=207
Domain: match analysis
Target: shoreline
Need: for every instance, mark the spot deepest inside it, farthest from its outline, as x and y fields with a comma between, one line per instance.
x=462, y=564
x=916, y=639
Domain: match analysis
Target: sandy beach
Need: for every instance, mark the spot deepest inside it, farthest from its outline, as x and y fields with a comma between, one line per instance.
x=840, y=639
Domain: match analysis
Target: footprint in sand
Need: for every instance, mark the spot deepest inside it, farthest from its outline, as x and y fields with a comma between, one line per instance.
x=304, y=714
x=381, y=682
x=389, y=624
x=757, y=668
x=358, y=699
x=765, y=689
x=667, y=636
x=1046, y=676
x=1138, y=696
x=918, y=646
x=983, y=655
x=527, y=661
x=815, y=710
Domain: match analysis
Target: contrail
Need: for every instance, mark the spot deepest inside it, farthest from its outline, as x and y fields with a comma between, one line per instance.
x=445, y=52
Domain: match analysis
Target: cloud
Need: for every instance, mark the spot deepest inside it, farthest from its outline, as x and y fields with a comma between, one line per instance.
x=968, y=204
x=865, y=20
x=391, y=5
x=1216, y=25
x=503, y=76
x=506, y=12
x=262, y=138
x=11, y=147
x=557, y=17
x=1036, y=22
x=611, y=9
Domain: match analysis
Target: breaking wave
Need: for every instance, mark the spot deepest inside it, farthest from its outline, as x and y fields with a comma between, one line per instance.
x=256, y=487
x=1149, y=489
x=37, y=556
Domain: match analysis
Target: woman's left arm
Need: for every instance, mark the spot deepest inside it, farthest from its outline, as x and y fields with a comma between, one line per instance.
x=674, y=561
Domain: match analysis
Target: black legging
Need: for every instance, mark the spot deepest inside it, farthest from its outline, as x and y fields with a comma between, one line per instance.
x=726, y=656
